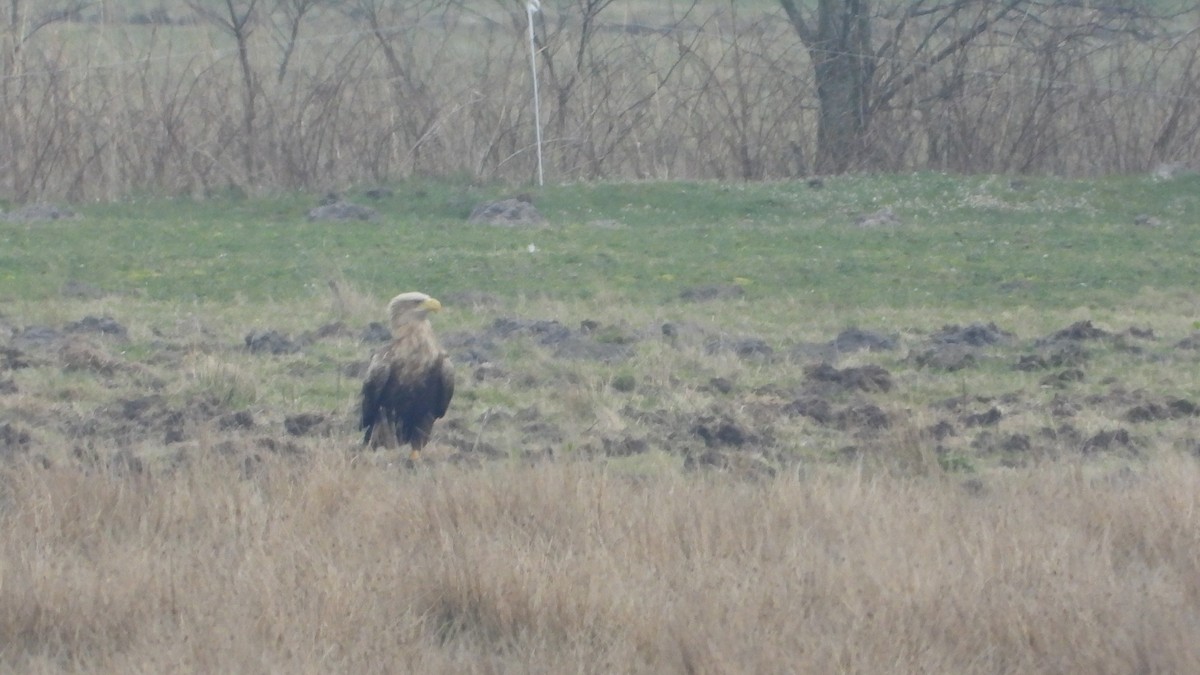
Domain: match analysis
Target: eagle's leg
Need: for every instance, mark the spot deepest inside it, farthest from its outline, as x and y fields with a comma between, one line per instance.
x=420, y=439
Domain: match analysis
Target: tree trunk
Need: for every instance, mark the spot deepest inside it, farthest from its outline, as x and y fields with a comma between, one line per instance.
x=837, y=35
x=842, y=113
x=839, y=44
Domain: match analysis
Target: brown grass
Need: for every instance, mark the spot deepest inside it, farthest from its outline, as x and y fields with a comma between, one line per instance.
x=330, y=564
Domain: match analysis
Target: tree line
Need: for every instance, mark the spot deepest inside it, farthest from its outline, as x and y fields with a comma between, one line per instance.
x=210, y=95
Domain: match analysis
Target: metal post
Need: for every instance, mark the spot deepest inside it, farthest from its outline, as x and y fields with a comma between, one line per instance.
x=530, y=8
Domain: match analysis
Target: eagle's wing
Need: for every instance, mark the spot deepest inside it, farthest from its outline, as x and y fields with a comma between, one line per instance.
x=445, y=385
x=375, y=383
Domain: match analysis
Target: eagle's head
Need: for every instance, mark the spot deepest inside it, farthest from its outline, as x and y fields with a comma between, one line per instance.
x=411, y=307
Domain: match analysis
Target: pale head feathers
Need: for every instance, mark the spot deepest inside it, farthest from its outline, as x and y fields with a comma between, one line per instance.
x=411, y=307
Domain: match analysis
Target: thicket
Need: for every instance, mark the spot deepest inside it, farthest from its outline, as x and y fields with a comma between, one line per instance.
x=252, y=95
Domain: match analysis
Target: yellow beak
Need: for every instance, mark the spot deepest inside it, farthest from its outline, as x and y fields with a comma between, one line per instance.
x=432, y=305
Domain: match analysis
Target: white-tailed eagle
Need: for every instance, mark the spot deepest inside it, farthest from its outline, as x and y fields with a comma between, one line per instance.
x=410, y=382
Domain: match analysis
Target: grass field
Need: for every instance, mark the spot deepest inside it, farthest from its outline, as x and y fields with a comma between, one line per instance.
x=962, y=243
x=698, y=428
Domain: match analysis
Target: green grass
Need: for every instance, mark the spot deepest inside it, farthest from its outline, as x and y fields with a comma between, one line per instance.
x=962, y=243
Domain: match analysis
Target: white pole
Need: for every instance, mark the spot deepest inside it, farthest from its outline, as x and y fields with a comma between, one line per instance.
x=530, y=8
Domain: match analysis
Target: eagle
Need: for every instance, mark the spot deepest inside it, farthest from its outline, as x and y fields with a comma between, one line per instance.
x=410, y=382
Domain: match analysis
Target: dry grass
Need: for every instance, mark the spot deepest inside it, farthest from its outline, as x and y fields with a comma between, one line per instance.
x=330, y=565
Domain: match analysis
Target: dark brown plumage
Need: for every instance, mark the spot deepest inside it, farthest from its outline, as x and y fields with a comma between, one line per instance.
x=410, y=382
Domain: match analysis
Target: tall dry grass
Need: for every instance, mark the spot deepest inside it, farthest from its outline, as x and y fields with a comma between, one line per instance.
x=334, y=565
x=383, y=91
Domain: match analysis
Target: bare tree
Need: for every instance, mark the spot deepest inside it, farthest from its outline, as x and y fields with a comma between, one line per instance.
x=286, y=19
x=594, y=105
x=406, y=33
x=236, y=18
x=22, y=26
x=30, y=142
x=689, y=90
x=855, y=78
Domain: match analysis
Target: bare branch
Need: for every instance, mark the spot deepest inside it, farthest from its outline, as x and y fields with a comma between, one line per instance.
x=807, y=36
x=287, y=28
x=957, y=45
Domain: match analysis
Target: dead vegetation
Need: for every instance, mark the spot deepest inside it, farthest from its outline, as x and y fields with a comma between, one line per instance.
x=330, y=564
x=247, y=96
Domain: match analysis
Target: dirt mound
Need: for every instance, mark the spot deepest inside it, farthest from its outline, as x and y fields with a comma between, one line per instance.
x=1190, y=342
x=13, y=440
x=242, y=419
x=714, y=340
x=882, y=218
x=949, y=357
x=858, y=416
x=856, y=339
x=623, y=445
x=545, y=332
x=745, y=347
x=870, y=378
x=862, y=417
x=1166, y=409
x=954, y=347
x=35, y=337
x=676, y=332
x=718, y=430
x=1054, y=354
x=132, y=420
x=270, y=342
x=104, y=325
x=12, y=358
x=375, y=332
x=816, y=408
x=1063, y=378
x=1109, y=439
x=45, y=337
x=342, y=211
x=1077, y=332
x=712, y=292
x=506, y=213
x=849, y=341
x=304, y=424
x=335, y=329
x=79, y=354
x=989, y=418
x=973, y=335
x=31, y=213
